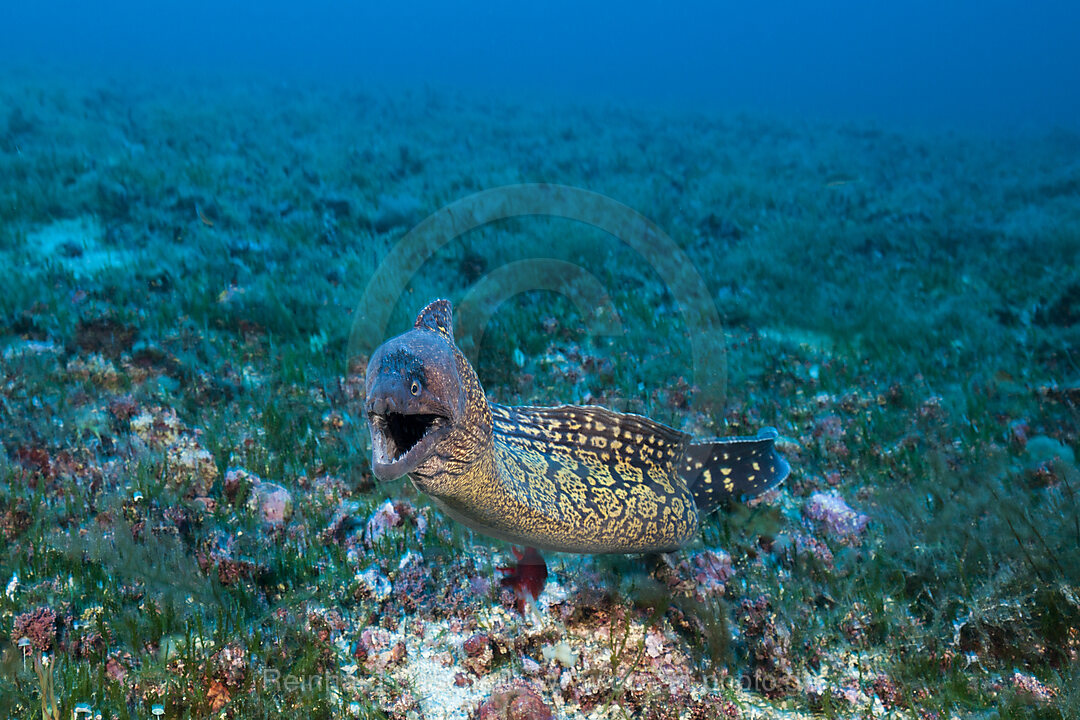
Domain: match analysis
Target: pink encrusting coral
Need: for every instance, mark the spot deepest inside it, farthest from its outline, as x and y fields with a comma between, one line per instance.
x=394, y=514
x=809, y=546
x=37, y=626
x=1032, y=687
x=707, y=572
x=381, y=520
x=514, y=701
x=832, y=515
x=272, y=503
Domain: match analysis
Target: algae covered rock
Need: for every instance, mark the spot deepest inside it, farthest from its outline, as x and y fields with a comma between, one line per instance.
x=516, y=701
x=272, y=502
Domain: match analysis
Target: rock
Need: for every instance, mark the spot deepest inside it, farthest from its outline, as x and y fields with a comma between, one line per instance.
x=157, y=427
x=768, y=641
x=343, y=522
x=236, y=479
x=706, y=572
x=478, y=654
x=373, y=584
x=831, y=514
x=1032, y=688
x=1042, y=449
x=377, y=651
x=191, y=466
x=105, y=336
x=22, y=348
x=273, y=503
x=38, y=626
x=516, y=701
x=381, y=520
x=562, y=653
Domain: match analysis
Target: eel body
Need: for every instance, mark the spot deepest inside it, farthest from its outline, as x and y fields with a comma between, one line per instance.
x=568, y=478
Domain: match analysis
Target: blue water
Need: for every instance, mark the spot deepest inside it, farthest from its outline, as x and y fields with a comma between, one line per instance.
x=969, y=64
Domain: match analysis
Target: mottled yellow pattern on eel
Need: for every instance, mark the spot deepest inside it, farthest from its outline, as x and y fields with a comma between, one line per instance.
x=596, y=480
x=569, y=478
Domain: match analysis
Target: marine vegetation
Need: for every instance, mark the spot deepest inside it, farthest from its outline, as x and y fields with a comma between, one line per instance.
x=197, y=522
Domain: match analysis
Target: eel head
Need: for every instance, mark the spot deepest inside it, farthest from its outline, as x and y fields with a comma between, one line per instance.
x=415, y=397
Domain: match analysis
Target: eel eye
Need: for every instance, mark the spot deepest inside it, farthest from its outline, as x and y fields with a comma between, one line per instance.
x=414, y=388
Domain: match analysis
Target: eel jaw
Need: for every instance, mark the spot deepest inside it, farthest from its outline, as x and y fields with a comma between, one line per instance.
x=401, y=441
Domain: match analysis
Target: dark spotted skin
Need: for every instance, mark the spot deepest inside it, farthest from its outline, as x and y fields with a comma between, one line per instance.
x=736, y=468
x=568, y=478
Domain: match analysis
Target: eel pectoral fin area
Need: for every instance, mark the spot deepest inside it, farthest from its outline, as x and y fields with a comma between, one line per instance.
x=732, y=469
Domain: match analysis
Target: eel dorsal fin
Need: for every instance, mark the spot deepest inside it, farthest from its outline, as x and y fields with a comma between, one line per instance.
x=437, y=317
x=596, y=445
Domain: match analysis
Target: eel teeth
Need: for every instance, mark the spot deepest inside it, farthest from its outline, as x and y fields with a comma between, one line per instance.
x=403, y=432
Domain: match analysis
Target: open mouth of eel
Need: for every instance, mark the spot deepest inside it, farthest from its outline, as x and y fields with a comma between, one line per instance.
x=401, y=441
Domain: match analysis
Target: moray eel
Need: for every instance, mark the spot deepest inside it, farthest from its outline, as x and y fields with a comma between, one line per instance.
x=578, y=479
